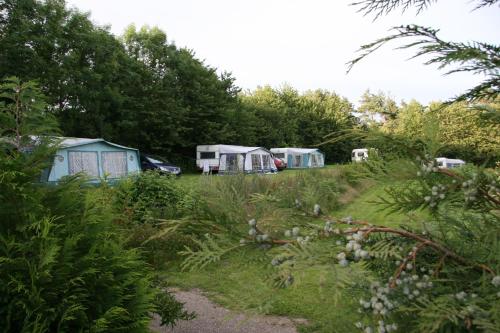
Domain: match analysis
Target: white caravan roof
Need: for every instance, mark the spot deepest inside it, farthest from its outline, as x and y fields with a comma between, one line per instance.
x=295, y=150
x=229, y=149
x=450, y=160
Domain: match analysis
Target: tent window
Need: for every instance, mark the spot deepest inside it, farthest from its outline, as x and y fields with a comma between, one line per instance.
x=114, y=163
x=256, y=162
x=266, y=161
x=314, y=162
x=205, y=155
x=83, y=161
x=232, y=162
x=297, y=161
x=279, y=155
x=361, y=154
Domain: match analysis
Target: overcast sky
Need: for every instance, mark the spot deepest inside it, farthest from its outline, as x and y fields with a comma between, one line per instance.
x=305, y=43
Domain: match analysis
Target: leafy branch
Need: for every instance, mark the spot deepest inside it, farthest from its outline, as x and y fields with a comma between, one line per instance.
x=475, y=57
x=384, y=7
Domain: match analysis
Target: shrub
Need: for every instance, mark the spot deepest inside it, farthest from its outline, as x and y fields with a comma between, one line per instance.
x=63, y=262
x=150, y=197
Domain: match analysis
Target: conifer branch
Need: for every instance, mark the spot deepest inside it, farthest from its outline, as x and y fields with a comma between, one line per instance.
x=384, y=7
x=410, y=235
x=475, y=57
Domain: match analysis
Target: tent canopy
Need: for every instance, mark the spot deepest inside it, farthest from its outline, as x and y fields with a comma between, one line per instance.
x=229, y=149
x=245, y=159
x=301, y=157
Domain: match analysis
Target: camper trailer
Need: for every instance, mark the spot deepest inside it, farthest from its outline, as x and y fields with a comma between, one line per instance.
x=359, y=155
x=234, y=159
x=449, y=163
x=300, y=157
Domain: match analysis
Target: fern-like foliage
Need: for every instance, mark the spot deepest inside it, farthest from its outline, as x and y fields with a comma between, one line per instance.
x=209, y=250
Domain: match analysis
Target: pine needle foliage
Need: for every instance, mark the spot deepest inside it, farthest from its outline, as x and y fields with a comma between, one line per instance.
x=474, y=57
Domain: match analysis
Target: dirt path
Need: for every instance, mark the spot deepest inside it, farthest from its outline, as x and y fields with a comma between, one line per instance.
x=212, y=318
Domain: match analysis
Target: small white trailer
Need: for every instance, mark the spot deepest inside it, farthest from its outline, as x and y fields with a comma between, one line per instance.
x=208, y=154
x=359, y=155
x=449, y=163
x=234, y=159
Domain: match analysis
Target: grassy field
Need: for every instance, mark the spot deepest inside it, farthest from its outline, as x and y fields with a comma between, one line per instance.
x=242, y=280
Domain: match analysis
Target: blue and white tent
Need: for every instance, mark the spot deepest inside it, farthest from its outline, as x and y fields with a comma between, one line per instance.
x=97, y=158
x=300, y=157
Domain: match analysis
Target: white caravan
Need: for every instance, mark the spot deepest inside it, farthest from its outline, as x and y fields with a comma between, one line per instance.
x=449, y=163
x=234, y=159
x=359, y=155
x=300, y=157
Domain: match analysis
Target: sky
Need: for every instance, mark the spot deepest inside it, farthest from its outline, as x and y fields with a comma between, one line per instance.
x=306, y=43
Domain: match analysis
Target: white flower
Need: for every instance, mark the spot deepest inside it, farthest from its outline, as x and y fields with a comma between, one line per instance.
x=288, y=233
x=427, y=198
x=295, y=231
x=252, y=223
x=338, y=242
x=461, y=295
x=409, y=266
x=496, y=281
x=368, y=329
x=356, y=246
x=359, y=324
x=341, y=256
x=317, y=209
x=343, y=262
x=265, y=237
x=252, y=232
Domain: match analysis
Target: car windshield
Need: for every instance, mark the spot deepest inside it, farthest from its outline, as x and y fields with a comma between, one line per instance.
x=154, y=160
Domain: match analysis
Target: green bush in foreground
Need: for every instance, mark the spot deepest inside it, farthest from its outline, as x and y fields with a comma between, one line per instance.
x=63, y=263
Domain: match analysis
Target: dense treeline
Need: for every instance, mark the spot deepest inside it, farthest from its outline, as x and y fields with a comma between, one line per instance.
x=462, y=130
x=143, y=91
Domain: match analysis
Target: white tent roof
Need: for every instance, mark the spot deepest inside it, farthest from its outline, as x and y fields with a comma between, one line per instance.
x=229, y=149
x=450, y=160
x=73, y=142
x=296, y=150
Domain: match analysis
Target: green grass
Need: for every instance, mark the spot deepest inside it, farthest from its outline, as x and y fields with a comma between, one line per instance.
x=242, y=280
x=366, y=208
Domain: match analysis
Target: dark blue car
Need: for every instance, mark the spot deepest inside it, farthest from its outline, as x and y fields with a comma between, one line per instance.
x=156, y=163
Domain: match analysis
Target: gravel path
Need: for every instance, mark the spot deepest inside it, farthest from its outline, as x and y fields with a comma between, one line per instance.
x=212, y=318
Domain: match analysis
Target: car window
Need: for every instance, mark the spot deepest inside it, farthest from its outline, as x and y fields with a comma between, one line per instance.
x=153, y=160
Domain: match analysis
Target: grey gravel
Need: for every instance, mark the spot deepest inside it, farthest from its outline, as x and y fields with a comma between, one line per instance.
x=212, y=318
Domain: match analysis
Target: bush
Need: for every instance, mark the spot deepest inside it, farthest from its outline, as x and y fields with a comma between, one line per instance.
x=63, y=263
x=151, y=197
